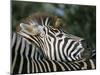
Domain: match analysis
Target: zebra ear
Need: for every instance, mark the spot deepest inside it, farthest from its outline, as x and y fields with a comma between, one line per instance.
x=20, y=27
x=23, y=26
x=30, y=29
x=58, y=23
x=26, y=27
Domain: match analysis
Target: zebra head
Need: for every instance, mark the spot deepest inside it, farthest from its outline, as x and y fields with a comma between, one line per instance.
x=37, y=25
x=45, y=31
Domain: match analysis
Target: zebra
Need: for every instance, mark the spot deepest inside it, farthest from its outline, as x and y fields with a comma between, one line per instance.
x=28, y=58
x=56, y=44
x=22, y=52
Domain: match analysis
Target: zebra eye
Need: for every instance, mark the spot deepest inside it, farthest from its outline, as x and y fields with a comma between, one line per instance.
x=55, y=30
x=60, y=35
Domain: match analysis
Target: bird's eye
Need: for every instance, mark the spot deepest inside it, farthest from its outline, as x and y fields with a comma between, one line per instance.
x=60, y=35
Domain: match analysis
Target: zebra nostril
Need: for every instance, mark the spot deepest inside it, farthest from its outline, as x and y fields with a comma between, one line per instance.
x=87, y=53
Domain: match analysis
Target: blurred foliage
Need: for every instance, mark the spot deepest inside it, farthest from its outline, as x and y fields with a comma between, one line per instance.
x=80, y=20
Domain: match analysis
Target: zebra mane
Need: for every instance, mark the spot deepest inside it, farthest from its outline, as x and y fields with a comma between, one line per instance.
x=44, y=19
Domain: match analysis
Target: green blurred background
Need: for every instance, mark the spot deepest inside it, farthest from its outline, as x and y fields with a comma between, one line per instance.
x=80, y=20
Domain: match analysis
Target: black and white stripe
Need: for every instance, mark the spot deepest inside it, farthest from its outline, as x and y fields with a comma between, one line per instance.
x=55, y=43
x=22, y=53
x=27, y=58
